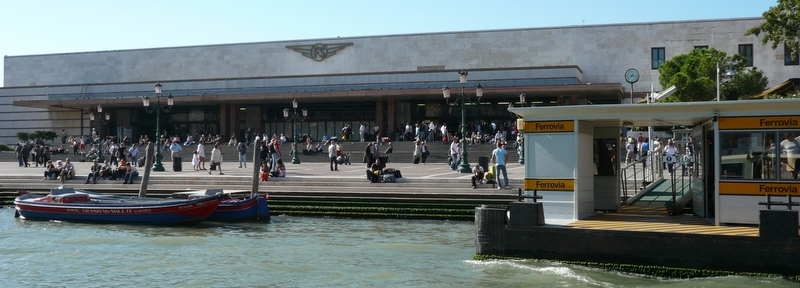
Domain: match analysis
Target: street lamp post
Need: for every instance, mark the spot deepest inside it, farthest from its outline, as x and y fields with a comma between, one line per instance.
x=520, y=143
x=728, y=74
x=463, y=98
x=294, y=117
x=158, y=108
x=103, y=119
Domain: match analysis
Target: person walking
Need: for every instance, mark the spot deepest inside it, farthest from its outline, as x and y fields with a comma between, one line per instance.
x=361, y=131
x=216, y=158
x=454, y=151
x=499, y=159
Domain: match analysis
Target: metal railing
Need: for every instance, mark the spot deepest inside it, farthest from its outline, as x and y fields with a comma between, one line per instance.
x=640, y=170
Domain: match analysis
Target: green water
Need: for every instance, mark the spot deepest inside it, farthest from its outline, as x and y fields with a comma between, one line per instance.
x=289, y=252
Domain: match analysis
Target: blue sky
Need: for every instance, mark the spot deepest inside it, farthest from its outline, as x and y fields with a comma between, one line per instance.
x=45, y=27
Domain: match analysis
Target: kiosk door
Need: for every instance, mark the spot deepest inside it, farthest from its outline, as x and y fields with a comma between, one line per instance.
x=702, y=148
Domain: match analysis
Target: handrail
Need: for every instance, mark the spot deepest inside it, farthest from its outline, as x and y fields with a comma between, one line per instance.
x=631, y=173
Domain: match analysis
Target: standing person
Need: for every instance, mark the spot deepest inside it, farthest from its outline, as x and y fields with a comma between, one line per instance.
x=369, y=158
x=201, y=153
x=63, y=136
x=645, y=151
x=361, y=131
x=454, y=152
x=333, y=153
x=424, y=152
x=443, y=130
x=216, y=158
x=669, y=154
x=18, y=153
x=629, y=158
x=500, y=158
x=134, y=154
x=417, y=151
x=242, y=155
x=195, y=161
x=275, y=154
x=791, y=149
x=431, y=131
x=176, y=149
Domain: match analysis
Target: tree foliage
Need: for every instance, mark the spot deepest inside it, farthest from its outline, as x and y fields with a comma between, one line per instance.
x=781, y=25
x=695, y=76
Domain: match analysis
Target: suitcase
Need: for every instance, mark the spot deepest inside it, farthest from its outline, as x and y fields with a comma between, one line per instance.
x=397, y=174
x=416, y=160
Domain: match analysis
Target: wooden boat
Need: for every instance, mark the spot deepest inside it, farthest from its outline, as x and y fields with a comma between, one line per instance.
x=69, y=204
x=234, y=207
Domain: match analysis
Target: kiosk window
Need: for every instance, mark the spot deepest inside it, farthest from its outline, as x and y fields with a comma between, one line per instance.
x=773, y=155
x=789, y=148
x=747, y=155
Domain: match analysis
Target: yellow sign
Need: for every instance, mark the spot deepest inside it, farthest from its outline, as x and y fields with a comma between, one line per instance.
x=759, y=188
x=776, y=122
x=550, y=184
x=549, y=126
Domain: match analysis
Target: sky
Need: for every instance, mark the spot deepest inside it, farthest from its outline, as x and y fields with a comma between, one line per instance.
x=33, y=27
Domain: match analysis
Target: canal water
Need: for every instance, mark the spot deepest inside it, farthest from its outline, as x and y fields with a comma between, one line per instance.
x=288, y=252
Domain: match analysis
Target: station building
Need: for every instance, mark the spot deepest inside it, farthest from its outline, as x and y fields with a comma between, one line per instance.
x=381, y=81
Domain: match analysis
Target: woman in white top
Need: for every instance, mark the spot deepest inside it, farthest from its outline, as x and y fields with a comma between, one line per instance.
x=201, y=153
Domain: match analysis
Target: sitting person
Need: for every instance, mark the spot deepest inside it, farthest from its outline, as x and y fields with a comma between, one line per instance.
x=94, y=172
x=121, y=171
x=374, y=171
x=264, y=171
x=280, y=171
x=232, y=142
x=130, y=173
x=61, y=150
x=319, y=149
x=68, y=172
x=477, y=175
x=50, y=170
x=107, y=172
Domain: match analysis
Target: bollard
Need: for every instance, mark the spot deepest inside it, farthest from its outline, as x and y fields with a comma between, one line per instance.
x=489, y=227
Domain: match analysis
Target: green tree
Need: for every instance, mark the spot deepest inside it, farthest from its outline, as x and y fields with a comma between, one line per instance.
x=781, y=25
x=24, y=136
x=695, y=76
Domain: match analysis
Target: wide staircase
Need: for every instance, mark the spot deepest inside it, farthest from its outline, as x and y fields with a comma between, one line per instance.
x=306, y=192
x=403, y=152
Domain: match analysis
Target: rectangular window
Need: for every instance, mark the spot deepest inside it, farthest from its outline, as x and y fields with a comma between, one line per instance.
x=787, y=56
x=700, y=47
x=746, y=51
x=657, y=57
x=773, y=155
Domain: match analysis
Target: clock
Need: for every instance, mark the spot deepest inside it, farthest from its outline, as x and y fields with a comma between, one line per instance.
x=632, y=75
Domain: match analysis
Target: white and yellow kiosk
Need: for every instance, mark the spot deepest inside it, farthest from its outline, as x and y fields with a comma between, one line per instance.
x=738, y=149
